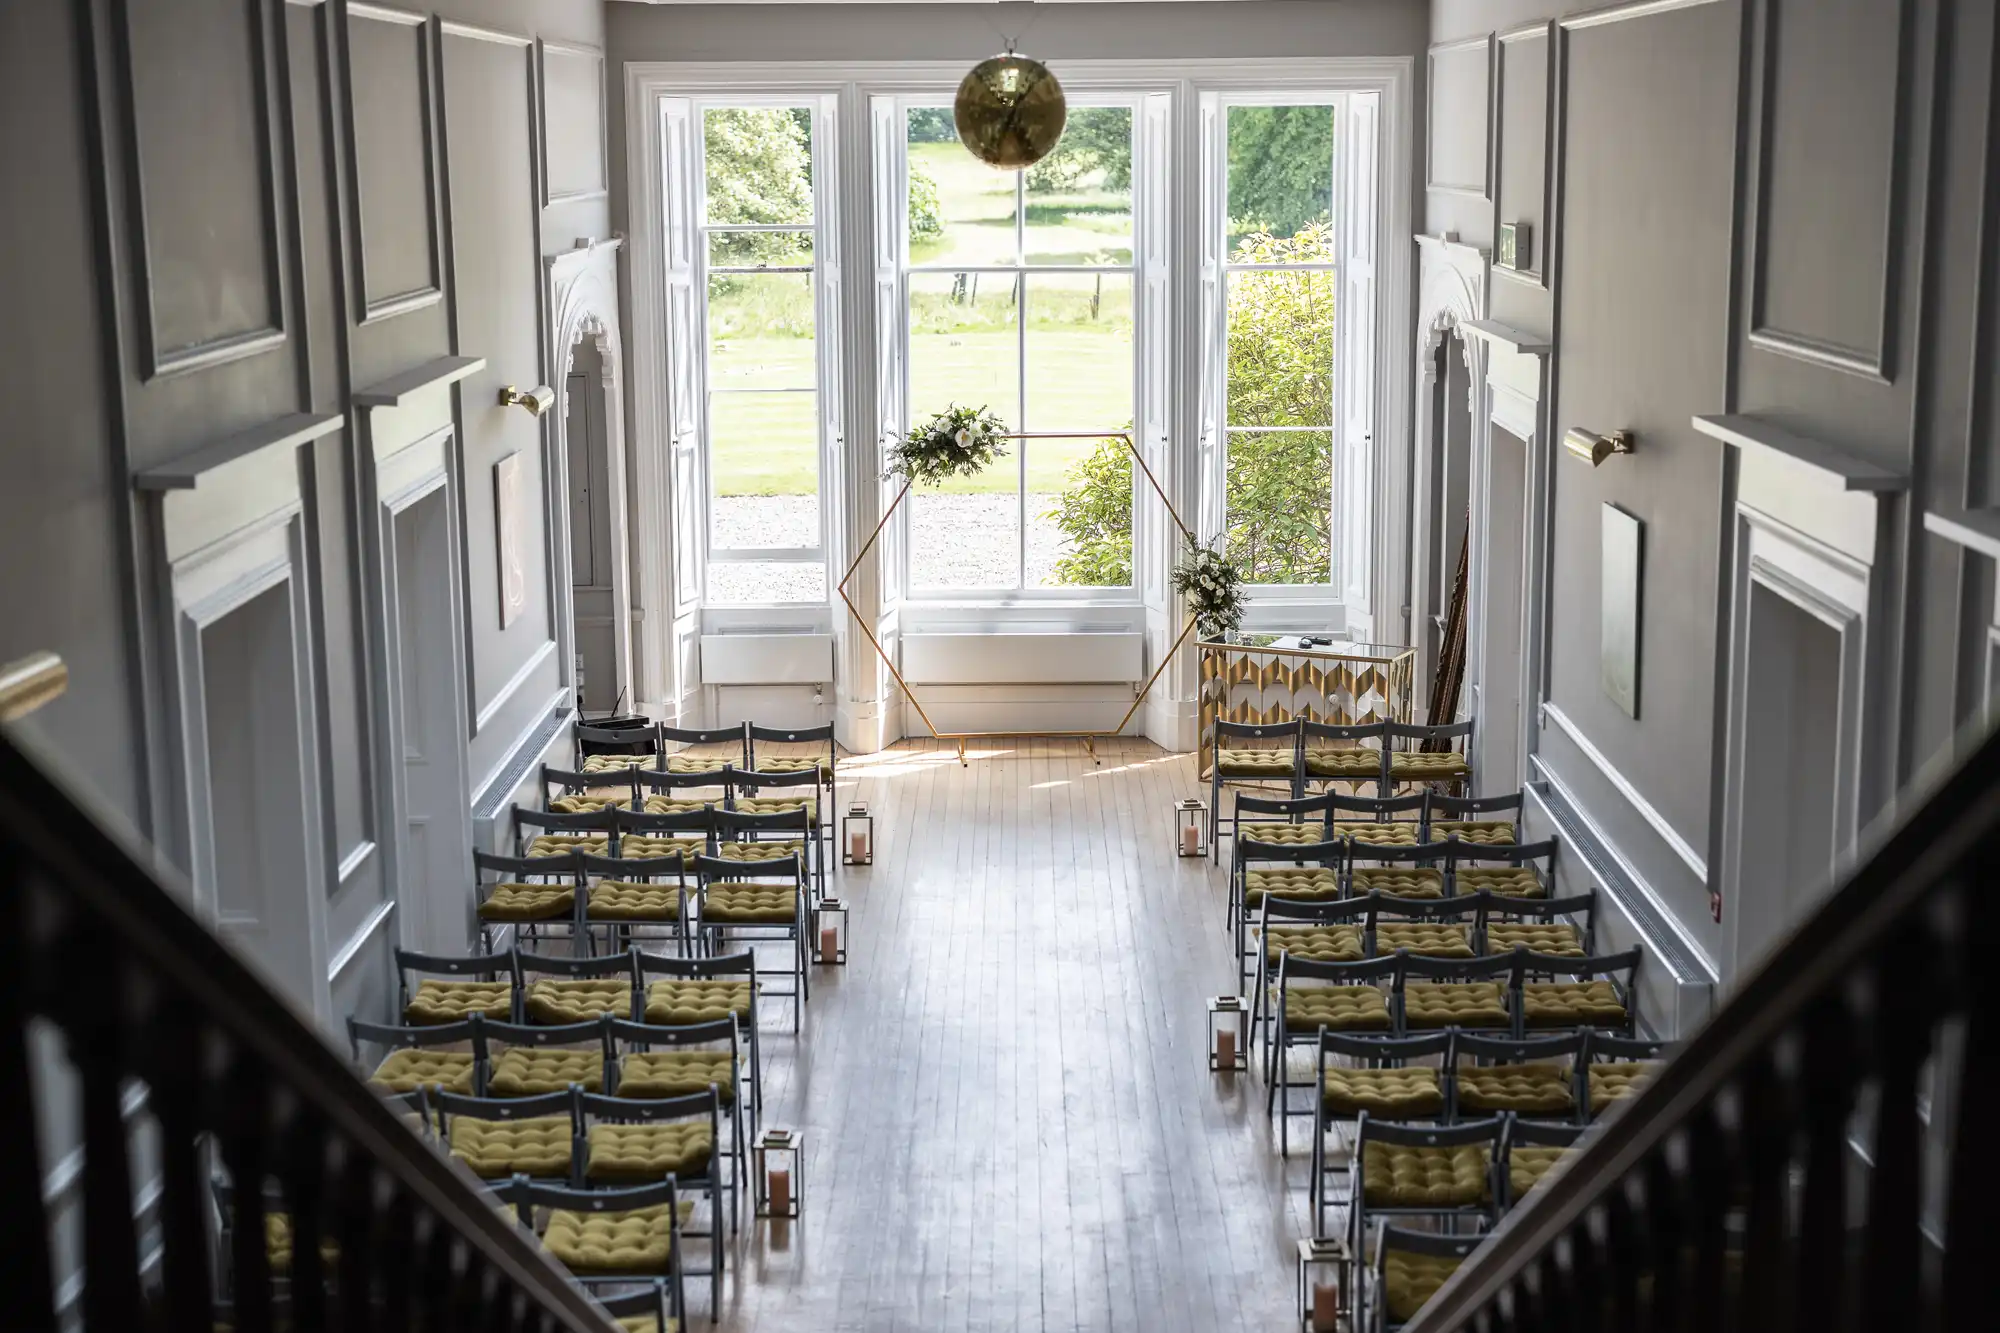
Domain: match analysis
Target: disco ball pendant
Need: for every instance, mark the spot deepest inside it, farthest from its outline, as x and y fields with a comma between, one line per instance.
x=1010, y=111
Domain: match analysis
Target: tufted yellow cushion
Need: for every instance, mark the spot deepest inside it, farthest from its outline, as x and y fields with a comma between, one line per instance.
x=1397, y=1176
x=528, y=902
x=1336, y=1008
x=278, y=1244
x=634, y=1154
x=1552, y=938
x=418, y=1067
x=774, y=850
x=1465, y=1004
x=1390, y=833
x=1486, y=832
x=1523, y=1089
x=1291, y=883
x=578, y=1001
x=529, y=1071
x=1344, y=763
x=586, y=803
x=639, y=1241
x=806, y=765
x=1399, y=1094
x=1616, y=1080
x=646, y=1323
x=1527, y=1163
x=633, y=900
x=496, y=1149
x=1399, y=881
x=561, y=844
x=1506, y=881
x=1427, y=766
x=675, y=1074
x=1408, y=1280
x=1254, y=763
x=1571, y=1003
x=441, y=1001
x=1423, y=939
x=700, y=763
x=616, y=763
x=750, y=904
x=644, y=847
x=779, y=805
x=678, y=1002
x=1321, y=944
x=1285, y=835
x=679, y=805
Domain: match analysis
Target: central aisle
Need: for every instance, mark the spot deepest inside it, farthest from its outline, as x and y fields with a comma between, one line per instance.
x=1009, y=1119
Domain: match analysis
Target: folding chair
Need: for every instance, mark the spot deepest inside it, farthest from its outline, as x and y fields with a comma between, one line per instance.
x=528, y=893
x=1288, y=820
x=793, y=763
x=682, y=793
x=653, y=1307
x=792, y=793
x=613, y=749
x=499, y=1138
x=702, y=990
x=553, y=833
x=609, y=1235
x=1383, y=1081
x=523, y=1060
x=661, y=1061
x=1597, y=992
x=1404, y=871
x=415, y=1057
x=1313, y=998
x=1426, y=755
x=1311, y=930
x=633, y=1140
x=1379, y=821
x=1331, y=754
x=1563, y=927
x=627, y=896
x=1526, y=870
x=570, y=792
x=1617, y=1067
x=438, y=1000
x=1531, y=1077
x=1267, y=752
x=1445, y=1173
x=563, y=990
x=1296, y=872
x=1533, y=1147
x=1421, y=927
x=751, y=901
x=1407, y=1269
x=1437, y=993
x=1473, y=818
x=735, y=751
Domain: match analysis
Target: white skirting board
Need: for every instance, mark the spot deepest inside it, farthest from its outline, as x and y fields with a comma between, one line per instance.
x=1023, y=658
x=766, y=659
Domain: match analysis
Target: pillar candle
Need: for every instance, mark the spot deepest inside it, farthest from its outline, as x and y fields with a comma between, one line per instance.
x=1190, y=840
x=1326, y=1307
x=857, y=846
x=781, y=1195
x=829, y=944
x=1225, y=1048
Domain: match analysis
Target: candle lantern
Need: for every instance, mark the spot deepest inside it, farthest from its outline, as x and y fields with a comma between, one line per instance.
x=857, y=836
x=1322, y=1272
x=1228, y=1034
x=778, y=1171
x=1191, y=828
x=830, y=932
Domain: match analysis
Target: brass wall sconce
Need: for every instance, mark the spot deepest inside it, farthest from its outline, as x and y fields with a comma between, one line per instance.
x=1594, y=449
x=537, y=400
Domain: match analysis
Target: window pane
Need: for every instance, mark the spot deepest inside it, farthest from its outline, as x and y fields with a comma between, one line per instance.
x=1080, y=533
x=1281, y=348
x=1280, y=170
x=764, y=457
x=760, y=331
x=1080, y=196
x=760, y=249
x=1279, y=502
x=1079, y=501
x=963, y=349
x=758, y=164
x=967, y=538
x=764, y=581
x=961, y=210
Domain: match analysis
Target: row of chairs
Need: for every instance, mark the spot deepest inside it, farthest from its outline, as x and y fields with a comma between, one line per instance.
x=1425, y=816
x=708, y=749
x=1301, y=754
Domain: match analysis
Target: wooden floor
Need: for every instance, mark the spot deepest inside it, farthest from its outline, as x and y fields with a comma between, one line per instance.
x=1009, y=1119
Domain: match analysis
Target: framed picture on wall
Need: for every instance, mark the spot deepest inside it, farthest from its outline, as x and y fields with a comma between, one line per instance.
x=1619, y=570
x=507, y=524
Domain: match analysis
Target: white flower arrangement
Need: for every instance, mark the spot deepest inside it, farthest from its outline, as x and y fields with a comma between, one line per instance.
x=1213, y=588
x=957, y=442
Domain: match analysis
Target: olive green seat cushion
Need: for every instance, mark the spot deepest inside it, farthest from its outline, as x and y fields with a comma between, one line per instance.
x=1408, y=1280
x=771, y=764
x=1485, y=832
x=1292, y=883
x=637, y=1241
x=618, y=763
x=1527, y=1163
x=653, y=1074
x=529, y=1071
x=1553, y=938
x=1254, y=763
x=1424, y=939
x=632, y=900
x=1319, y=944
x=528, y=902
x=1396, y=1175
x=1427, y=766
x=779, y=805
x=278, y=1242
x=588, y=803
x=1356, y=764
x=1395, y=1094
x=679, y=805
x=421, y=1067
x=1502, y=881
x=1539, y=1090
x=1379, y=833
x=1284, y=835
x=700, y=763
x=646, y=847
x=1398, y=881
x=440, y=1001
x=1559, y=1004
x=1615, y=1080
x=562, y=844
x=647, y=1323
x=1336, y=1008
x=750, y=904
x=1467, y=1004
x=677, y=1002
x=635, y=1154
x=775, y=850
x=578, y=1001
x=496, y=1149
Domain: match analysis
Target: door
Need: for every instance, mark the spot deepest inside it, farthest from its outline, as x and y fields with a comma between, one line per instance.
x=436, y=858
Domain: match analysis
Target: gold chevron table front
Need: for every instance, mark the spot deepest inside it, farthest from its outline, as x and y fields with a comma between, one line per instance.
x=1249, y=678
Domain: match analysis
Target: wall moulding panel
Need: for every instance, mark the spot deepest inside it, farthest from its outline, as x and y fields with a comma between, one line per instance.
x=397, y=252
x=1459, y=79
x=573, y=123
x=1523, y=72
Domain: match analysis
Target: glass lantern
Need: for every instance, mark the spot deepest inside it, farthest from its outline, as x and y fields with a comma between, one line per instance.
x=830, y=932
x=857, y=836
x=1322, y=1273
x=777, y=1171
x=1191, y=828
x=1228, y=1034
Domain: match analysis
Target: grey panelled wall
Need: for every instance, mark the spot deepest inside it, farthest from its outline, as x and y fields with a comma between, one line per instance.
x=1782, y=209
x=225, y=213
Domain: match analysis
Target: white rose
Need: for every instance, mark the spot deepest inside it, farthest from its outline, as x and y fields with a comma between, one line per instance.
x=964, y=438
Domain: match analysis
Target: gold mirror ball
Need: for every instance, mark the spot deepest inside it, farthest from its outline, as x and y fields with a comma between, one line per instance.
x=1010, y=111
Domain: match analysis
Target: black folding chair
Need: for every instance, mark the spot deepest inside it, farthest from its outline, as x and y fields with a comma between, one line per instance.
x=530, y=894
x=1267, y=752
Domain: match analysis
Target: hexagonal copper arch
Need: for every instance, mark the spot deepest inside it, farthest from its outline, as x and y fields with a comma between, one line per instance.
x=1089, y=738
